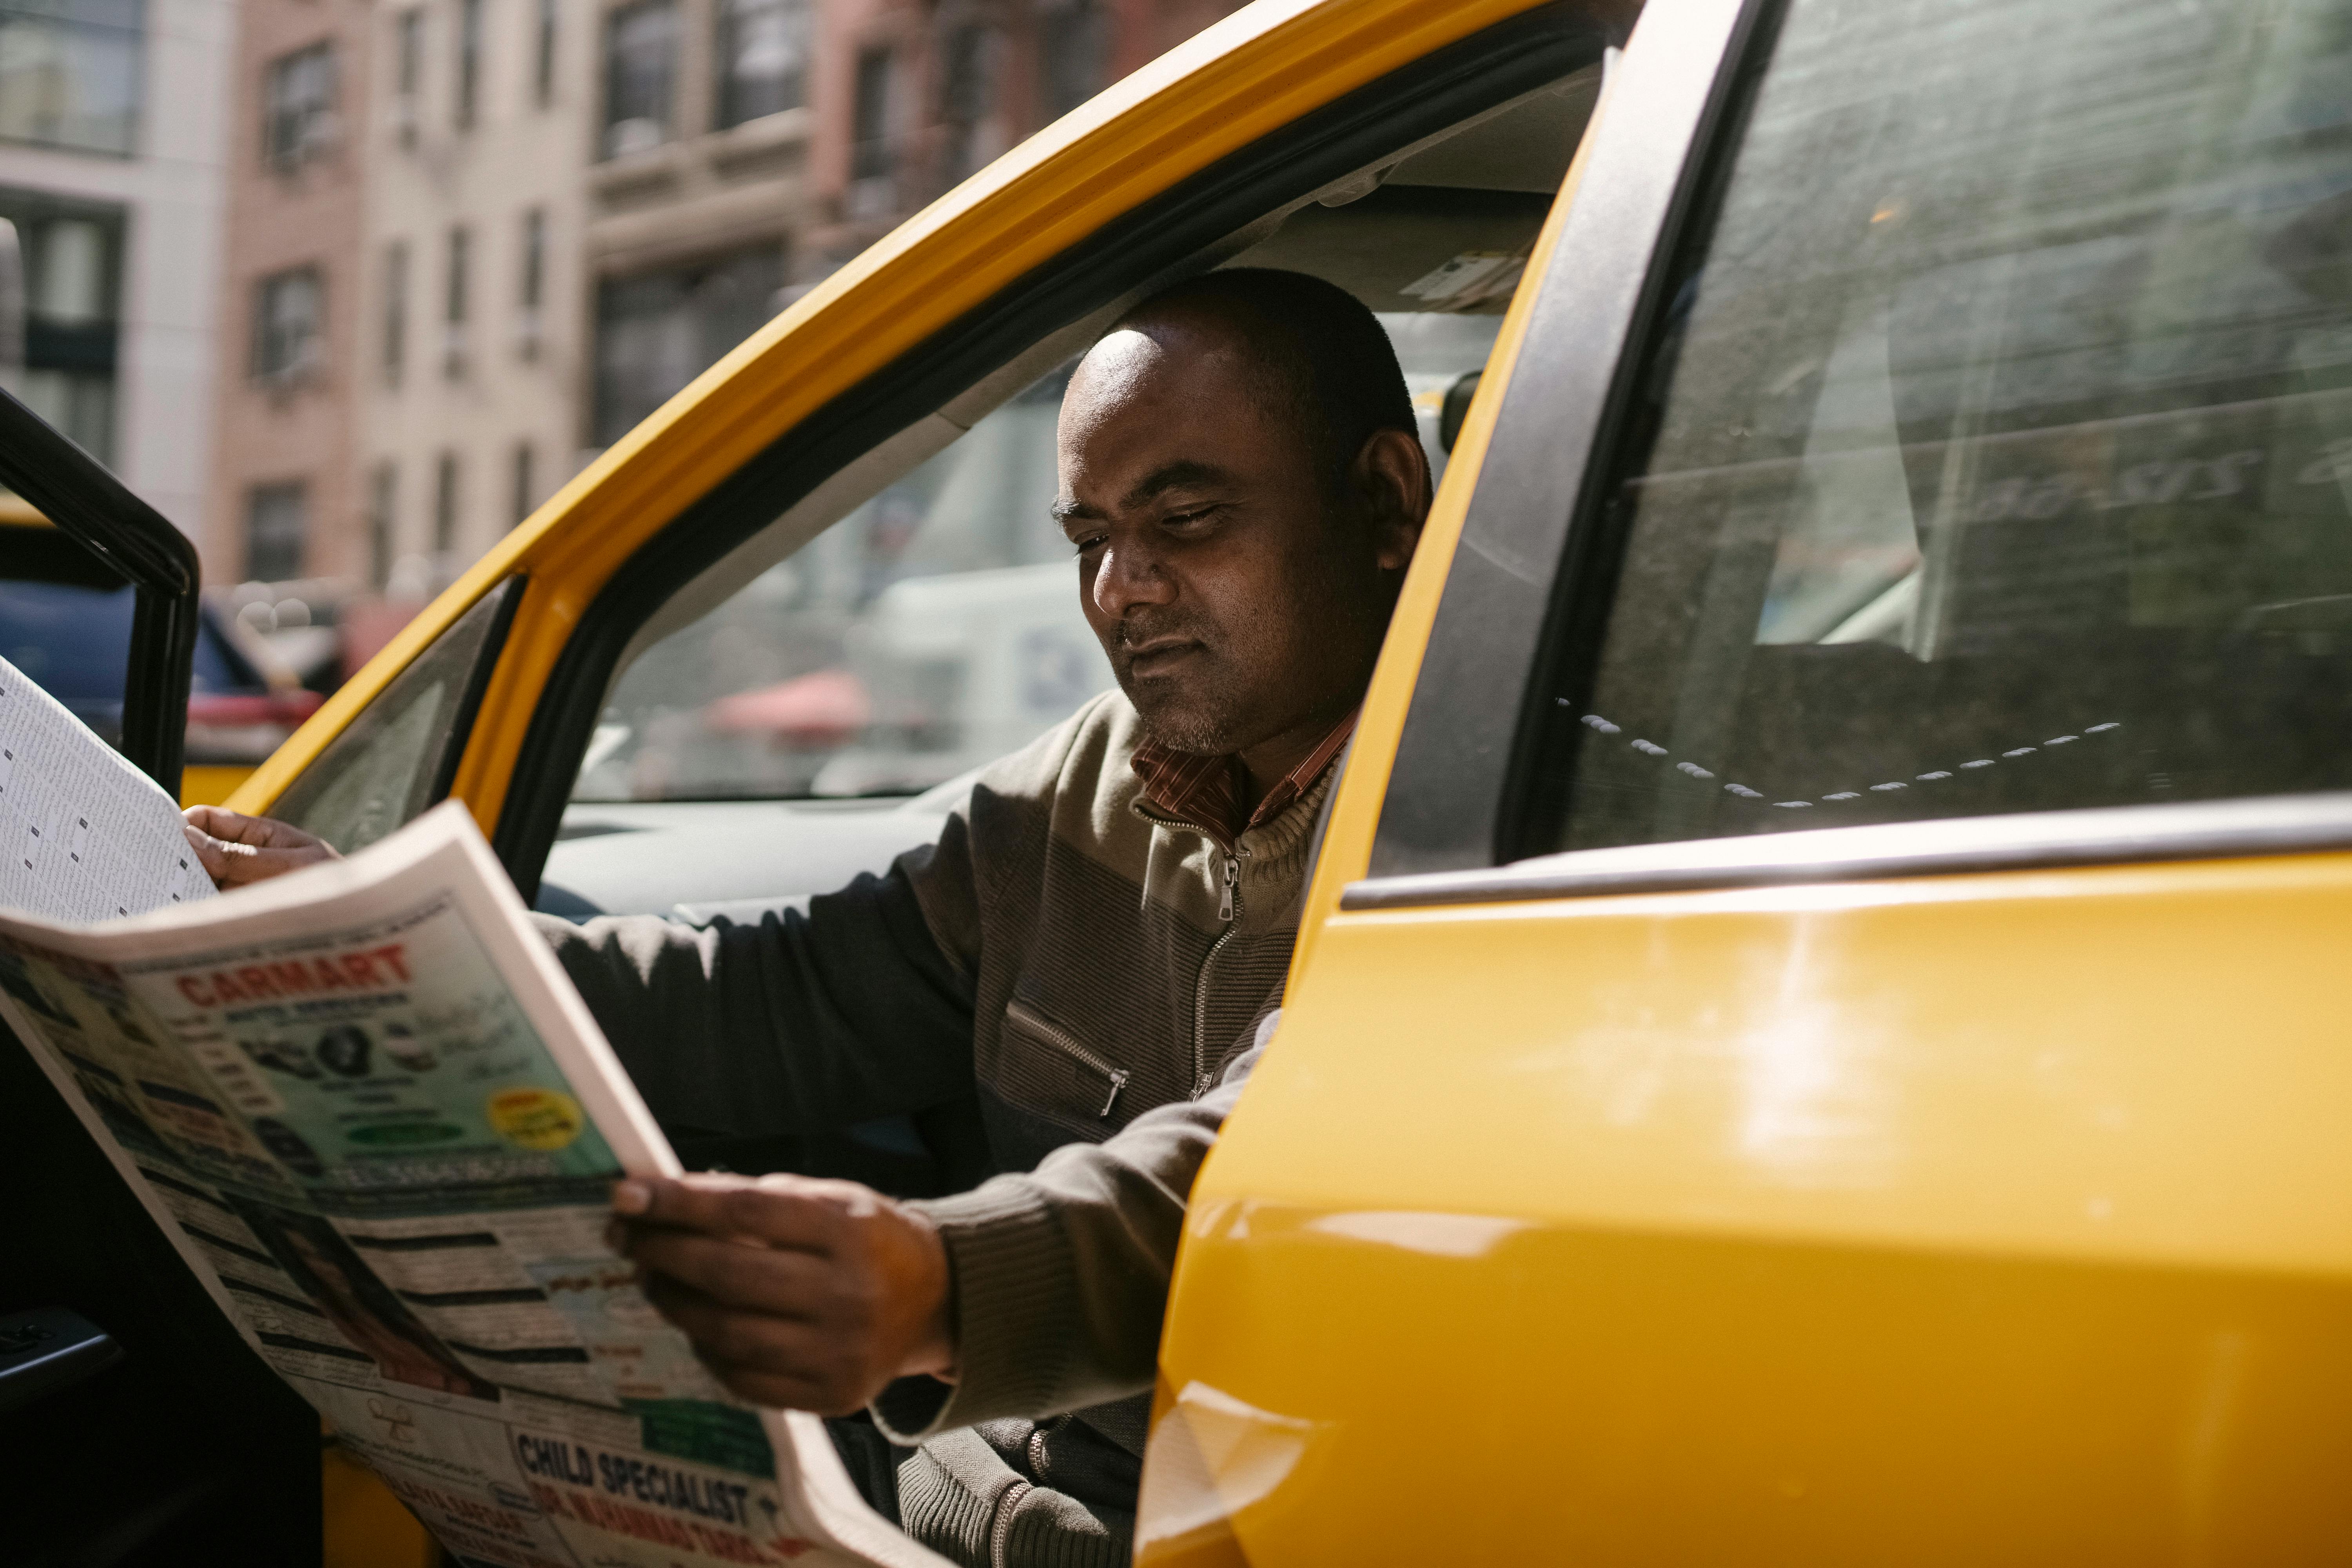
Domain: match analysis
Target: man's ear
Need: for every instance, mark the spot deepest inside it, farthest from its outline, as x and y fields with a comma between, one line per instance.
x=1392, y=475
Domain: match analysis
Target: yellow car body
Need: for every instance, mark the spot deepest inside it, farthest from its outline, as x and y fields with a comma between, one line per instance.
x=1970, y=1214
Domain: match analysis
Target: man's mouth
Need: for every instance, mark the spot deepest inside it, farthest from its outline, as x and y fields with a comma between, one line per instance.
x=1160, y=656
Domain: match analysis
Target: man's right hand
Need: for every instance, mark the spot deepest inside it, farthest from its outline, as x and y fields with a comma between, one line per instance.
x=237, y=849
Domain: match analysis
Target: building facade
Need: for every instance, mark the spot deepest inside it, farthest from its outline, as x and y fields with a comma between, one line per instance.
x=114, y=134
x=474, y=338
x=531, y=222
x=284, y=500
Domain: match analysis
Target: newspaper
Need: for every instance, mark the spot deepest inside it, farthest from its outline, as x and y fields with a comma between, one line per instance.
x=381, y=1126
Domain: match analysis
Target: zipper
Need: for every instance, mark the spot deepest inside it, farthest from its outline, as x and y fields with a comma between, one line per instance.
x=1054, y=1034
x=1230, y=911
x=999, y=1529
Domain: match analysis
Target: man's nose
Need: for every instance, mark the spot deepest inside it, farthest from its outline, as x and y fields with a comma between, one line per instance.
x=1126, y=575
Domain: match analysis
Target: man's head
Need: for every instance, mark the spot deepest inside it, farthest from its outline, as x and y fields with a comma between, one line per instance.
x=1240, y=477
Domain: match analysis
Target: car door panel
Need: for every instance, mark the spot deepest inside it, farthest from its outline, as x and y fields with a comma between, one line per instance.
x=1936, y=1220
x=1661, y=1185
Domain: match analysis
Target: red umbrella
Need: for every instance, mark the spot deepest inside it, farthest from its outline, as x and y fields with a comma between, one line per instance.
x=829, y=707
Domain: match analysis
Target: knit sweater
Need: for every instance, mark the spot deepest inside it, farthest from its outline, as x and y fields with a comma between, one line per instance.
x=1091, y=973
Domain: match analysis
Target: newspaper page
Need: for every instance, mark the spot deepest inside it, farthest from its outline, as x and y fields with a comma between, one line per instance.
x=380, y=1125
x=87, y=836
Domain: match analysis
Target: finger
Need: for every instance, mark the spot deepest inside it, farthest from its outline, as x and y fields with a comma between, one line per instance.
x=211, y=853
x=782, y=1211
x=777, y=1391
x=229, y=826
x=781, y=1282
x=768, y=1361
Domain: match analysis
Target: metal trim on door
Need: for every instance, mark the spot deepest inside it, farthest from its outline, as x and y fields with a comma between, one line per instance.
x=2104, y=836
x=77, y=494
x=1446, y=808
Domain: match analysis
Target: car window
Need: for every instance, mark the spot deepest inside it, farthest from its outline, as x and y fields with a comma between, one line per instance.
x=934, y=628
x=1993, y=450
x=397, y=758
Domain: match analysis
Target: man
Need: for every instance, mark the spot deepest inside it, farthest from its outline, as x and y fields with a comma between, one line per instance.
x=1091, y=951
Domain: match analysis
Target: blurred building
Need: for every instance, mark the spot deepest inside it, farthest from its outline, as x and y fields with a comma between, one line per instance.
x=915, y=95
x=473, y=342
x=480, y=239
x=285, y=493
x=113, y=133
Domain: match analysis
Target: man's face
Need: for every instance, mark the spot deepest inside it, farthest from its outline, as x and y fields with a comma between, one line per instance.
x=1238, y=597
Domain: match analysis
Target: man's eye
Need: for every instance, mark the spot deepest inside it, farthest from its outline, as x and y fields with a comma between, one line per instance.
x=1091, y=541
x=1191, y=519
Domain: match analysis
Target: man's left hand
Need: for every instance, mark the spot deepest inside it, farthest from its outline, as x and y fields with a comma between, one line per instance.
x=797, y=1293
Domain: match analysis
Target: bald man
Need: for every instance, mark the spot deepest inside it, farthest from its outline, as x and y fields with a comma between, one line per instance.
x=1093, y=950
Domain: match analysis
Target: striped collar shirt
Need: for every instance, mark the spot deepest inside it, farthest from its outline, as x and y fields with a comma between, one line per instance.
x=1205, y=789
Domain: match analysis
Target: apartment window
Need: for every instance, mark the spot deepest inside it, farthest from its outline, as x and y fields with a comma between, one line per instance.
x=640, y=75
x=763, y=48
x=971, y=63
x=469, y=62
x=408, y=74
x=452, y=303
x=521, y=500
x=299, y=106
x=657, y=331
x=275, y=519
x=542, y=69
x=395, y=310
x=382, y=491
x=72, y=256
x=532, y=292
x=873, y=151
x=1075, y=39
x=69, y=73
x=445, y=504
x=288, y=320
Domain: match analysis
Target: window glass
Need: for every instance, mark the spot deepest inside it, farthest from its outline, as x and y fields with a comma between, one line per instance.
x=72, y=256
x=396, y=757
x=277, y=517
x=286, y=325
x=762, y=57
x=298, y=122
x=69, y=73
x=1995, y=449
x=469, y=62
x=657, y=331
x=873, y=135
x=640, y=67
x=934, y=628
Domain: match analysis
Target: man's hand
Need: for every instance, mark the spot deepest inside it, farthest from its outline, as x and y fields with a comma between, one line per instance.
x=797, y=1293
x=237, y=849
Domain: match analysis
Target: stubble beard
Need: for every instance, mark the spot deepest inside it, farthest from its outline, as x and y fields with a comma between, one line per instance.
x=1199, y=713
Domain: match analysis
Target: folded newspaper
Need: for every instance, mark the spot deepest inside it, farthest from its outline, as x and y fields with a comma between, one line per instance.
x=378, y=1122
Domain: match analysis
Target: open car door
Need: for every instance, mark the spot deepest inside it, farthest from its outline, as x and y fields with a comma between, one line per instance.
x=135, y=1426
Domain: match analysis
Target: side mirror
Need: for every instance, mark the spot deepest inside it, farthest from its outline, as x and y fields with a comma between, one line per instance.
x=110, y=538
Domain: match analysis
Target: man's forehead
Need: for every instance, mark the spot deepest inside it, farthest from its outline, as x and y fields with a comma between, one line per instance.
x=1155, y=357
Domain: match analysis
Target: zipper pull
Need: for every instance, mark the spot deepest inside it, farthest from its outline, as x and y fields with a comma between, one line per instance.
x=1233, y=880
x=1118, y=1082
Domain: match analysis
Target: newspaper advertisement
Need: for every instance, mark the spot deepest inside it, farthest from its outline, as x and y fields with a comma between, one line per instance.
x=381, y=1126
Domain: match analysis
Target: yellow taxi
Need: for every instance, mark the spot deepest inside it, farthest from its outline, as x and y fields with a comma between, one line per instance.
x=1809, y=1041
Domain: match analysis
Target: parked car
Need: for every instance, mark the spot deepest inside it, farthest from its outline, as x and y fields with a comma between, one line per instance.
x=65, y=621
x=1811, y=1036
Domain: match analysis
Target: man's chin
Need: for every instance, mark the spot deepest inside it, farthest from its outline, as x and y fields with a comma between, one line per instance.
x=1180, y=723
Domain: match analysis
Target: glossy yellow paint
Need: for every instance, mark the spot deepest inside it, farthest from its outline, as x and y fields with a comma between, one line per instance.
x=1247, y=76
x=365, y=1526
x=211, y=783
x=1954, y=1220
